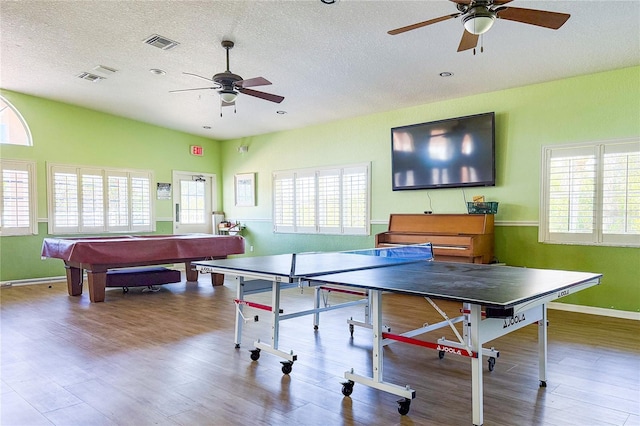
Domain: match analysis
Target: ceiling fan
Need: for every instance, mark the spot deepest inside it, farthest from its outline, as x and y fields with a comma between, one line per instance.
x=479, y=15
x=228, y=84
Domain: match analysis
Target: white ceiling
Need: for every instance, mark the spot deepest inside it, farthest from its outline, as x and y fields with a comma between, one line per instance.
x=329, y=61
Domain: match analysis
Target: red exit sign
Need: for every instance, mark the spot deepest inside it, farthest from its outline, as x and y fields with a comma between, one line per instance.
x=197, y=150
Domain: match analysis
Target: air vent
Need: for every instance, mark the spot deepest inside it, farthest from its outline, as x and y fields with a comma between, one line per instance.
x=90, y=77
x=105, y=70
x=161, y=42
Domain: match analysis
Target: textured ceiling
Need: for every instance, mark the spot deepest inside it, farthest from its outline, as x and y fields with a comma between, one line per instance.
x=329, y=61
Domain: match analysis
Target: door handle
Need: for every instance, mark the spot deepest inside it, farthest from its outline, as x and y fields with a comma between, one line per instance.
x=178, y=213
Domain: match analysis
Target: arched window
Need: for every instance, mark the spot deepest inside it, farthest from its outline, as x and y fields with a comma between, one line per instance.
x=13, y=128
x=18, y=190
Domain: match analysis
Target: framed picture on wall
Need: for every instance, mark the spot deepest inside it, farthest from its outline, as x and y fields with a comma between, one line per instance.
x=245, y=184
x=164, y=191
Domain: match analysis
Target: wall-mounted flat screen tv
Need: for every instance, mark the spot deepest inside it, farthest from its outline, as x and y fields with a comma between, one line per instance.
x=453, y=153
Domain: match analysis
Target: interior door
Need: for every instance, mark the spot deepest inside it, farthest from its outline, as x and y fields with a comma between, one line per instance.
x=194, y=200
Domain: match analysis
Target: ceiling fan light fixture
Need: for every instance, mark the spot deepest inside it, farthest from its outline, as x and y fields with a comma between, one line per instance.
x=228, y=96
x=479, y=21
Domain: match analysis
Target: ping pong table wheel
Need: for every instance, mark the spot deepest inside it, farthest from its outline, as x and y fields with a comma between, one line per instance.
x=543, y=383
x=403, y=406
x=491, y=363
x=440, y=354
x=351, y=329
x=255, y=354
x=287, y=366
x=347, y=388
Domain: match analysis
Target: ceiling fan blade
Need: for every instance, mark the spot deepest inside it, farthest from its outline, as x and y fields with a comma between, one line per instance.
x=262, y=95
x=251, y=82
x=196, y=75
x=468, y=2
x=468, y=41
x=422, y=24
x=188, y=90
x=541, y=18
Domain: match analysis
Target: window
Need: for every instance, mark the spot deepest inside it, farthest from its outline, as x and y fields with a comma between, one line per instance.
x=93, y=200
x=18, y=194
x=13, y=128
x=324, y=201
x=591, y=194
x=192, y=201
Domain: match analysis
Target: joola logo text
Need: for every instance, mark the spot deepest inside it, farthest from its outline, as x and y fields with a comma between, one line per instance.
x=508, y=322
x=563, y=293
x=449, y=349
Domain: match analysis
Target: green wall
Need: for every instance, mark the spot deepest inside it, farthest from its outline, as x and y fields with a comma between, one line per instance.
x=68, y=134
x=601, y=106
x=620, y=288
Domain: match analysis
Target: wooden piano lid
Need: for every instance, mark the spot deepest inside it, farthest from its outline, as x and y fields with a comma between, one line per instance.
x=454, y=224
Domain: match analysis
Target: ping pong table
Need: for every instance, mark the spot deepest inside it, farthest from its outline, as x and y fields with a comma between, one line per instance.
x=497, y=300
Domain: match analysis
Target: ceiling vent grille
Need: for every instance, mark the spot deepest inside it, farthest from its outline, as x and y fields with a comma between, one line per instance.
x=161, y=42
x=105, y=70
x=90, y=77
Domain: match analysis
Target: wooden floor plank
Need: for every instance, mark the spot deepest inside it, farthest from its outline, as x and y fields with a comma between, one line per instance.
x=15, y=410
x=168, y=358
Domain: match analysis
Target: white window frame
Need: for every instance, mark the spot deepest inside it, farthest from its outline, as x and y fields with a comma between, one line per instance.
x=30, y=168
x=77, y=225
x=297, y=223
x=13, y=123
x=596, y=236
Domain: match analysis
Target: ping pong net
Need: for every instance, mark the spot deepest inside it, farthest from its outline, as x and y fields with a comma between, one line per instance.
x=395, y=254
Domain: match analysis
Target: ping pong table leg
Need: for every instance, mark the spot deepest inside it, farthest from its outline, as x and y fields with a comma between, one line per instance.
x=368, y=309
x=275, y=333
x=542, y=347
x=239, y=309
x=466, y=307
x=377, y=380
x=316, y=306
x=377, y=353
x=476, y=365
x=275, y=314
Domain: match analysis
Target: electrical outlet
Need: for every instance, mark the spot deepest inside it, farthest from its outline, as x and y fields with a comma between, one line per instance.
x=251, y=248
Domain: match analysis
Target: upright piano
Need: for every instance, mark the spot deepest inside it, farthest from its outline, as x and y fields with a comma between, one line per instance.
x=455, y=237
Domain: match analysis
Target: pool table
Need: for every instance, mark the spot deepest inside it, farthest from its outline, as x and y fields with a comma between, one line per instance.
x=96, y=255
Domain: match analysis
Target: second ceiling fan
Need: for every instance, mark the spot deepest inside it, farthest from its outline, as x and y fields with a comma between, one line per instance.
x=478, y=17
x=229, y=85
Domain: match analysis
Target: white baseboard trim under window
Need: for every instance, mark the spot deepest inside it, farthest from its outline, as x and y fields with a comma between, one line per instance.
x=50, y=280
x=591, y=310
x=30, y=281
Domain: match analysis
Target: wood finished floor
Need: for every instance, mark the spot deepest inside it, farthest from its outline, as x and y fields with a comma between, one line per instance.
x=168, y=358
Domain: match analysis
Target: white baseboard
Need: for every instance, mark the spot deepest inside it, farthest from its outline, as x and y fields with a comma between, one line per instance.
x=592, y=310
x=50, y=280
x=31, y=281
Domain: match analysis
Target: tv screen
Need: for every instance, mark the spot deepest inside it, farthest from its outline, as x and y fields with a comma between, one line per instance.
x=452, y=153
